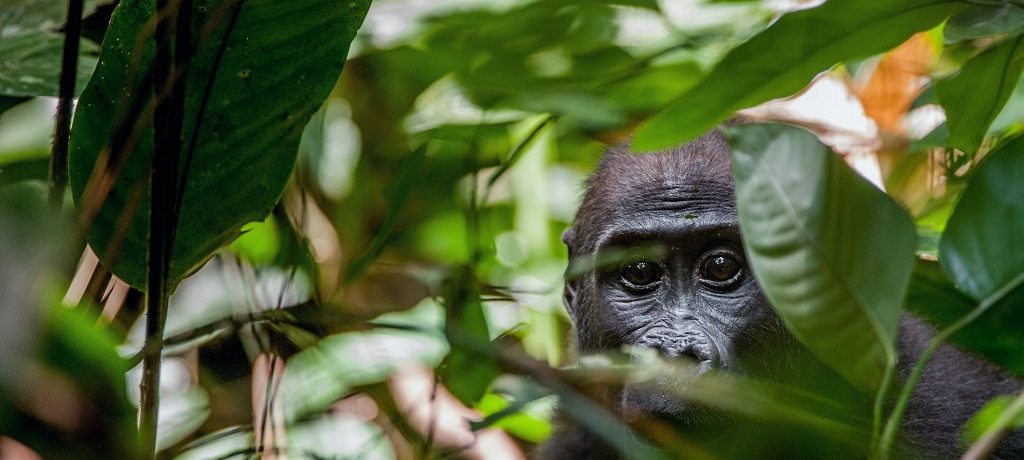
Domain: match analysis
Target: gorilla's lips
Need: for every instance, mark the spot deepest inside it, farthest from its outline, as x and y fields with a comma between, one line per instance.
x=692, y=355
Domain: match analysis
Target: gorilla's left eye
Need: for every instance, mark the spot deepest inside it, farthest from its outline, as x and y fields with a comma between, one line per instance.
x=721, y=270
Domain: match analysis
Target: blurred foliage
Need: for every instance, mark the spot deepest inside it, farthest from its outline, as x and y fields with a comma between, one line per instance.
x=380, y=250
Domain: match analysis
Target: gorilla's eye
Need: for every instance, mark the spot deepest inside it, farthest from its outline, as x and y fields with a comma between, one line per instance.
x=641, y=274
x=721, y=270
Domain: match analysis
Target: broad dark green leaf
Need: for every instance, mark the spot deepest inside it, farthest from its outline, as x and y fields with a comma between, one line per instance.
x=785, y=57
x=7, y=102
x=980, y=252
x=32, y=168
x=1012, y=113
x=280, y=60
x=31, y=46
x=984, y=20
x=974, y=96
x=832, y=252
x=933, y=297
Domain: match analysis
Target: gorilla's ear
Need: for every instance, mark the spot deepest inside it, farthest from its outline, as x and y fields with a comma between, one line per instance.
x=569, y=237
x=569, y=291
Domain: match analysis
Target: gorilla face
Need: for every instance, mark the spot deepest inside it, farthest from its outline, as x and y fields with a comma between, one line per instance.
x=681, y=284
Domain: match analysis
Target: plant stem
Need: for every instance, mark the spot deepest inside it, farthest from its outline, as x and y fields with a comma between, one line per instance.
x=168, y=120
x=892, y=425
x=880, y=397
x=58, y=175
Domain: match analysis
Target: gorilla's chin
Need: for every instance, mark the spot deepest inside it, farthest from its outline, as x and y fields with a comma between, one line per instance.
x=664, y=396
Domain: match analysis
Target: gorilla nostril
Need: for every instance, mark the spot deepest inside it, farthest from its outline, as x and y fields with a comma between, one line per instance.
x=685, y=352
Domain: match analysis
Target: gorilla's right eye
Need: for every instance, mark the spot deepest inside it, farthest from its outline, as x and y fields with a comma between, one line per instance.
x=641, y=274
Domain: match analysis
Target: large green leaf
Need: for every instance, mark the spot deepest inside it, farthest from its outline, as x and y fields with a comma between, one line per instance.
x=981, y=254
x=254, y=82
x=832, y=252
x=984, y=20
x=785, y=57
x=31, y=46
x=974, y=96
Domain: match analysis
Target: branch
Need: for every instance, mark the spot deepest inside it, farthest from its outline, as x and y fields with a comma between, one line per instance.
x=168, y=119
x=58, y=176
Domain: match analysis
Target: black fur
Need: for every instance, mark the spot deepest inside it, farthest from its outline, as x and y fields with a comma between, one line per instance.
x=683, y=200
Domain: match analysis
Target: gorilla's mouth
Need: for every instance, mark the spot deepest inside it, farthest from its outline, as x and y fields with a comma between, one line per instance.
x=664, y=395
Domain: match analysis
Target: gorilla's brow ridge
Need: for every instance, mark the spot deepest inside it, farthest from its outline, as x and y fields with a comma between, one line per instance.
x=704, y=164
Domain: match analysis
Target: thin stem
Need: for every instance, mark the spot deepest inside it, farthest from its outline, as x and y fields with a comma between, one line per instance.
x=167, y=139
x=880, y=397
x=58, y=176
x=892, y=425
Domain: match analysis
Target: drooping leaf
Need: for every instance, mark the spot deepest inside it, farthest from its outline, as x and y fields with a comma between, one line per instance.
x=320, y=375
x=252, y=85
x=785, y=57
x=974, y=96
x=7, y=102
x=984, y=20
x=467, y=370
x=831, y=251
x=933, y=297
x=1012, y=113
x=31, y=46
x=979, y=253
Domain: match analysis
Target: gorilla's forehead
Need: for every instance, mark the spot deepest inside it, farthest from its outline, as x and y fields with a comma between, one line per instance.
x=672, y=190
x=667, y=209
x=675, y=197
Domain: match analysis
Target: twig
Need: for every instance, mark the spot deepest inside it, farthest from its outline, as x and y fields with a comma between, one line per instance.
x=167, y=138
x=58, y=176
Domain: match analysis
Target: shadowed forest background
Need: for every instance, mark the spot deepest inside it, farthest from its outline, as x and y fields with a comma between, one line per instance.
x=344, y=219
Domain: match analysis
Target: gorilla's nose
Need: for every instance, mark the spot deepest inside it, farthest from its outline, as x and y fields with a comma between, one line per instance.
x=684, y=350
x=680, y=344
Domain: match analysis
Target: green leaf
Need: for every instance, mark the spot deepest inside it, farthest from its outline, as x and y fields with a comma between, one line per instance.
x=983, y=20
x=980, y=254
x=1012, y=113
x=933, y=297
x=31, y=46
x=322, y=374
x=831, y=251
x=785, y=57
x=468, y=369
x=974, y=96
x=987, y=417
x=264, y=81
x=7, y=102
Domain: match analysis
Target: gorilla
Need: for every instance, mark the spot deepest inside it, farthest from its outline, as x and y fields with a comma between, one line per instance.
x=697, y=300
